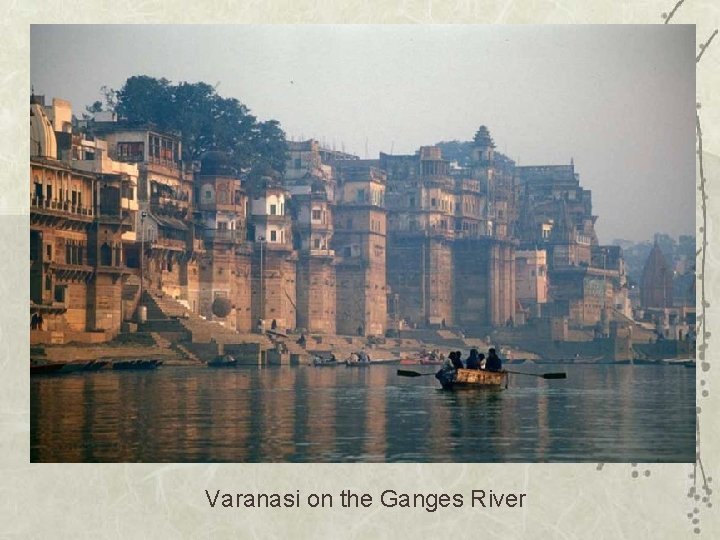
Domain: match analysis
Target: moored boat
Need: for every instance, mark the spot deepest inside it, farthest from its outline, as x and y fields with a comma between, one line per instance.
x=319, y=361
x=451, y=379
x=138, y=363
x=223, y=361
x=369, y=363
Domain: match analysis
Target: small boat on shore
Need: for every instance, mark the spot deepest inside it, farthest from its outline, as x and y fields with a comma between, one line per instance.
x=319, y=361
x=451, y=379
x=369, y=363
x=223, y=361
x=57, y=368
x=137, y=363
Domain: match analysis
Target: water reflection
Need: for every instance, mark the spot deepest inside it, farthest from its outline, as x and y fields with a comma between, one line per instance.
x=600, y=413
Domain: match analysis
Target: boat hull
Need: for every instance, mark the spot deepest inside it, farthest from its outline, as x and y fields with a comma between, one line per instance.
x=472, y=378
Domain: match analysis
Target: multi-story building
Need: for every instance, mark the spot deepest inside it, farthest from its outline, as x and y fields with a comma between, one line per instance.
x=359, y=242
x=221, y=210
x=274, y=266
x=449, y=261
x=165, y=192
x=312, y=185
x=78, y=217
x=586, y=281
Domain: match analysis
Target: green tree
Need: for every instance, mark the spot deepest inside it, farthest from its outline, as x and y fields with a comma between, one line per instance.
x=203, y=119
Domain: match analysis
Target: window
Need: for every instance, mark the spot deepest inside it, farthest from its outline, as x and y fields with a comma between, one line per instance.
x=412, y=202
x=48, y=252
x=130, y=151
x=349, y=223
x=273, y=236
x=316, y=215
x=361, y=195
x=316, y=243
x=222, y=226
x=433, y=202
x=208, y=194
x=298, y=163
x=48, y=194
x=273, y=209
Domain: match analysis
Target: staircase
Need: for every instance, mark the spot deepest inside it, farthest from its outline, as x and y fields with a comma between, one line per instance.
x=174, y=316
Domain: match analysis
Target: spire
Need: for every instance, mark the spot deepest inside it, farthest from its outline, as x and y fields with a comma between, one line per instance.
x=483, y=138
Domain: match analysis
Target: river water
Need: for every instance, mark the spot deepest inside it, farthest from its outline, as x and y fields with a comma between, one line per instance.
x=601, y=413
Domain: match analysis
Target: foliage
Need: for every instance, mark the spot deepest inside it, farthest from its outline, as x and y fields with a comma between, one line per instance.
x=205, y=120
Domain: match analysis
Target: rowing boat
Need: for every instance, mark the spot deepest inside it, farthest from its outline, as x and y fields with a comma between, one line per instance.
x=369, y=363
x=451, y=379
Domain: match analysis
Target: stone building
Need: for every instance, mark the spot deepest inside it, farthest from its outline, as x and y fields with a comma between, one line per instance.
x=79, y=213
x=165, y=192
x=225, y=264
x=656, y=285
x=531, y=279
x=311, y=184
x=450, y=251
x=274, y=265
x=586, y=281
x=359, y=243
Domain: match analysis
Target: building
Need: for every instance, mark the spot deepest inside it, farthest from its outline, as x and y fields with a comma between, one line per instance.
x=656, y=286
x=80, y=213
x=221, y=210
x=359, y=243
x=451, y=252
x=312, y=184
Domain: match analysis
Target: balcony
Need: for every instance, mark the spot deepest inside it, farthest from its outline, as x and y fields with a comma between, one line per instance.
x=60, y=207
x=225, y=235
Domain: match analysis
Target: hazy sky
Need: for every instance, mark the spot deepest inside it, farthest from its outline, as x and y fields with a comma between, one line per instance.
x=620, y=100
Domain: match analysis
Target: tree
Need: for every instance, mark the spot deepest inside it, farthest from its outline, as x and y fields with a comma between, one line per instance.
x=204, y=120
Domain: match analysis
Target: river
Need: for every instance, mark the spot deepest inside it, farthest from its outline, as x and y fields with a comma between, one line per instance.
x=600, y=413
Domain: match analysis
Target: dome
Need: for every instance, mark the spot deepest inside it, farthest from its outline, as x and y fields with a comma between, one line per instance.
x=42, y=136
x=216, y=163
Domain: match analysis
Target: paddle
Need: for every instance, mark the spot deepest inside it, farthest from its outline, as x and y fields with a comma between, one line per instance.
x=408, y=373
x=559, y=375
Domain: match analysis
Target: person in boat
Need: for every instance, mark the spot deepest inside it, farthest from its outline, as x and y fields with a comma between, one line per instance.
x=473, y=361
x=456, y=361
x=493, y=362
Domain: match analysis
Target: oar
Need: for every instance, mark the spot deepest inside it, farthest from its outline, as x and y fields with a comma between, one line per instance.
x=408, y=373
x=559, y=375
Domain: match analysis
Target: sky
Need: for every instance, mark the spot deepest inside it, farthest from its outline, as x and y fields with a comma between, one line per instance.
x=618, y=100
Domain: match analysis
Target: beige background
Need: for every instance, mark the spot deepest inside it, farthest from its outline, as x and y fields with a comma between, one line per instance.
x=147, y=501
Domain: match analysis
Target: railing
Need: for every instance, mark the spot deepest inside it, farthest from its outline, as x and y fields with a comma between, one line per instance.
x=60, y=206
x=226, y=235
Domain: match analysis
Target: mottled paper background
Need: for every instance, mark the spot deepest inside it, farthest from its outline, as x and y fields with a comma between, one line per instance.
x=147, y=501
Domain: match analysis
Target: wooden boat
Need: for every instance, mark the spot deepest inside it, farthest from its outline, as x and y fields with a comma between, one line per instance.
x=57, y=368
x=349, y=363
x=46, y=368
x=472, y=378
x=223, y=361
x=138, y=363
x=319, y=361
